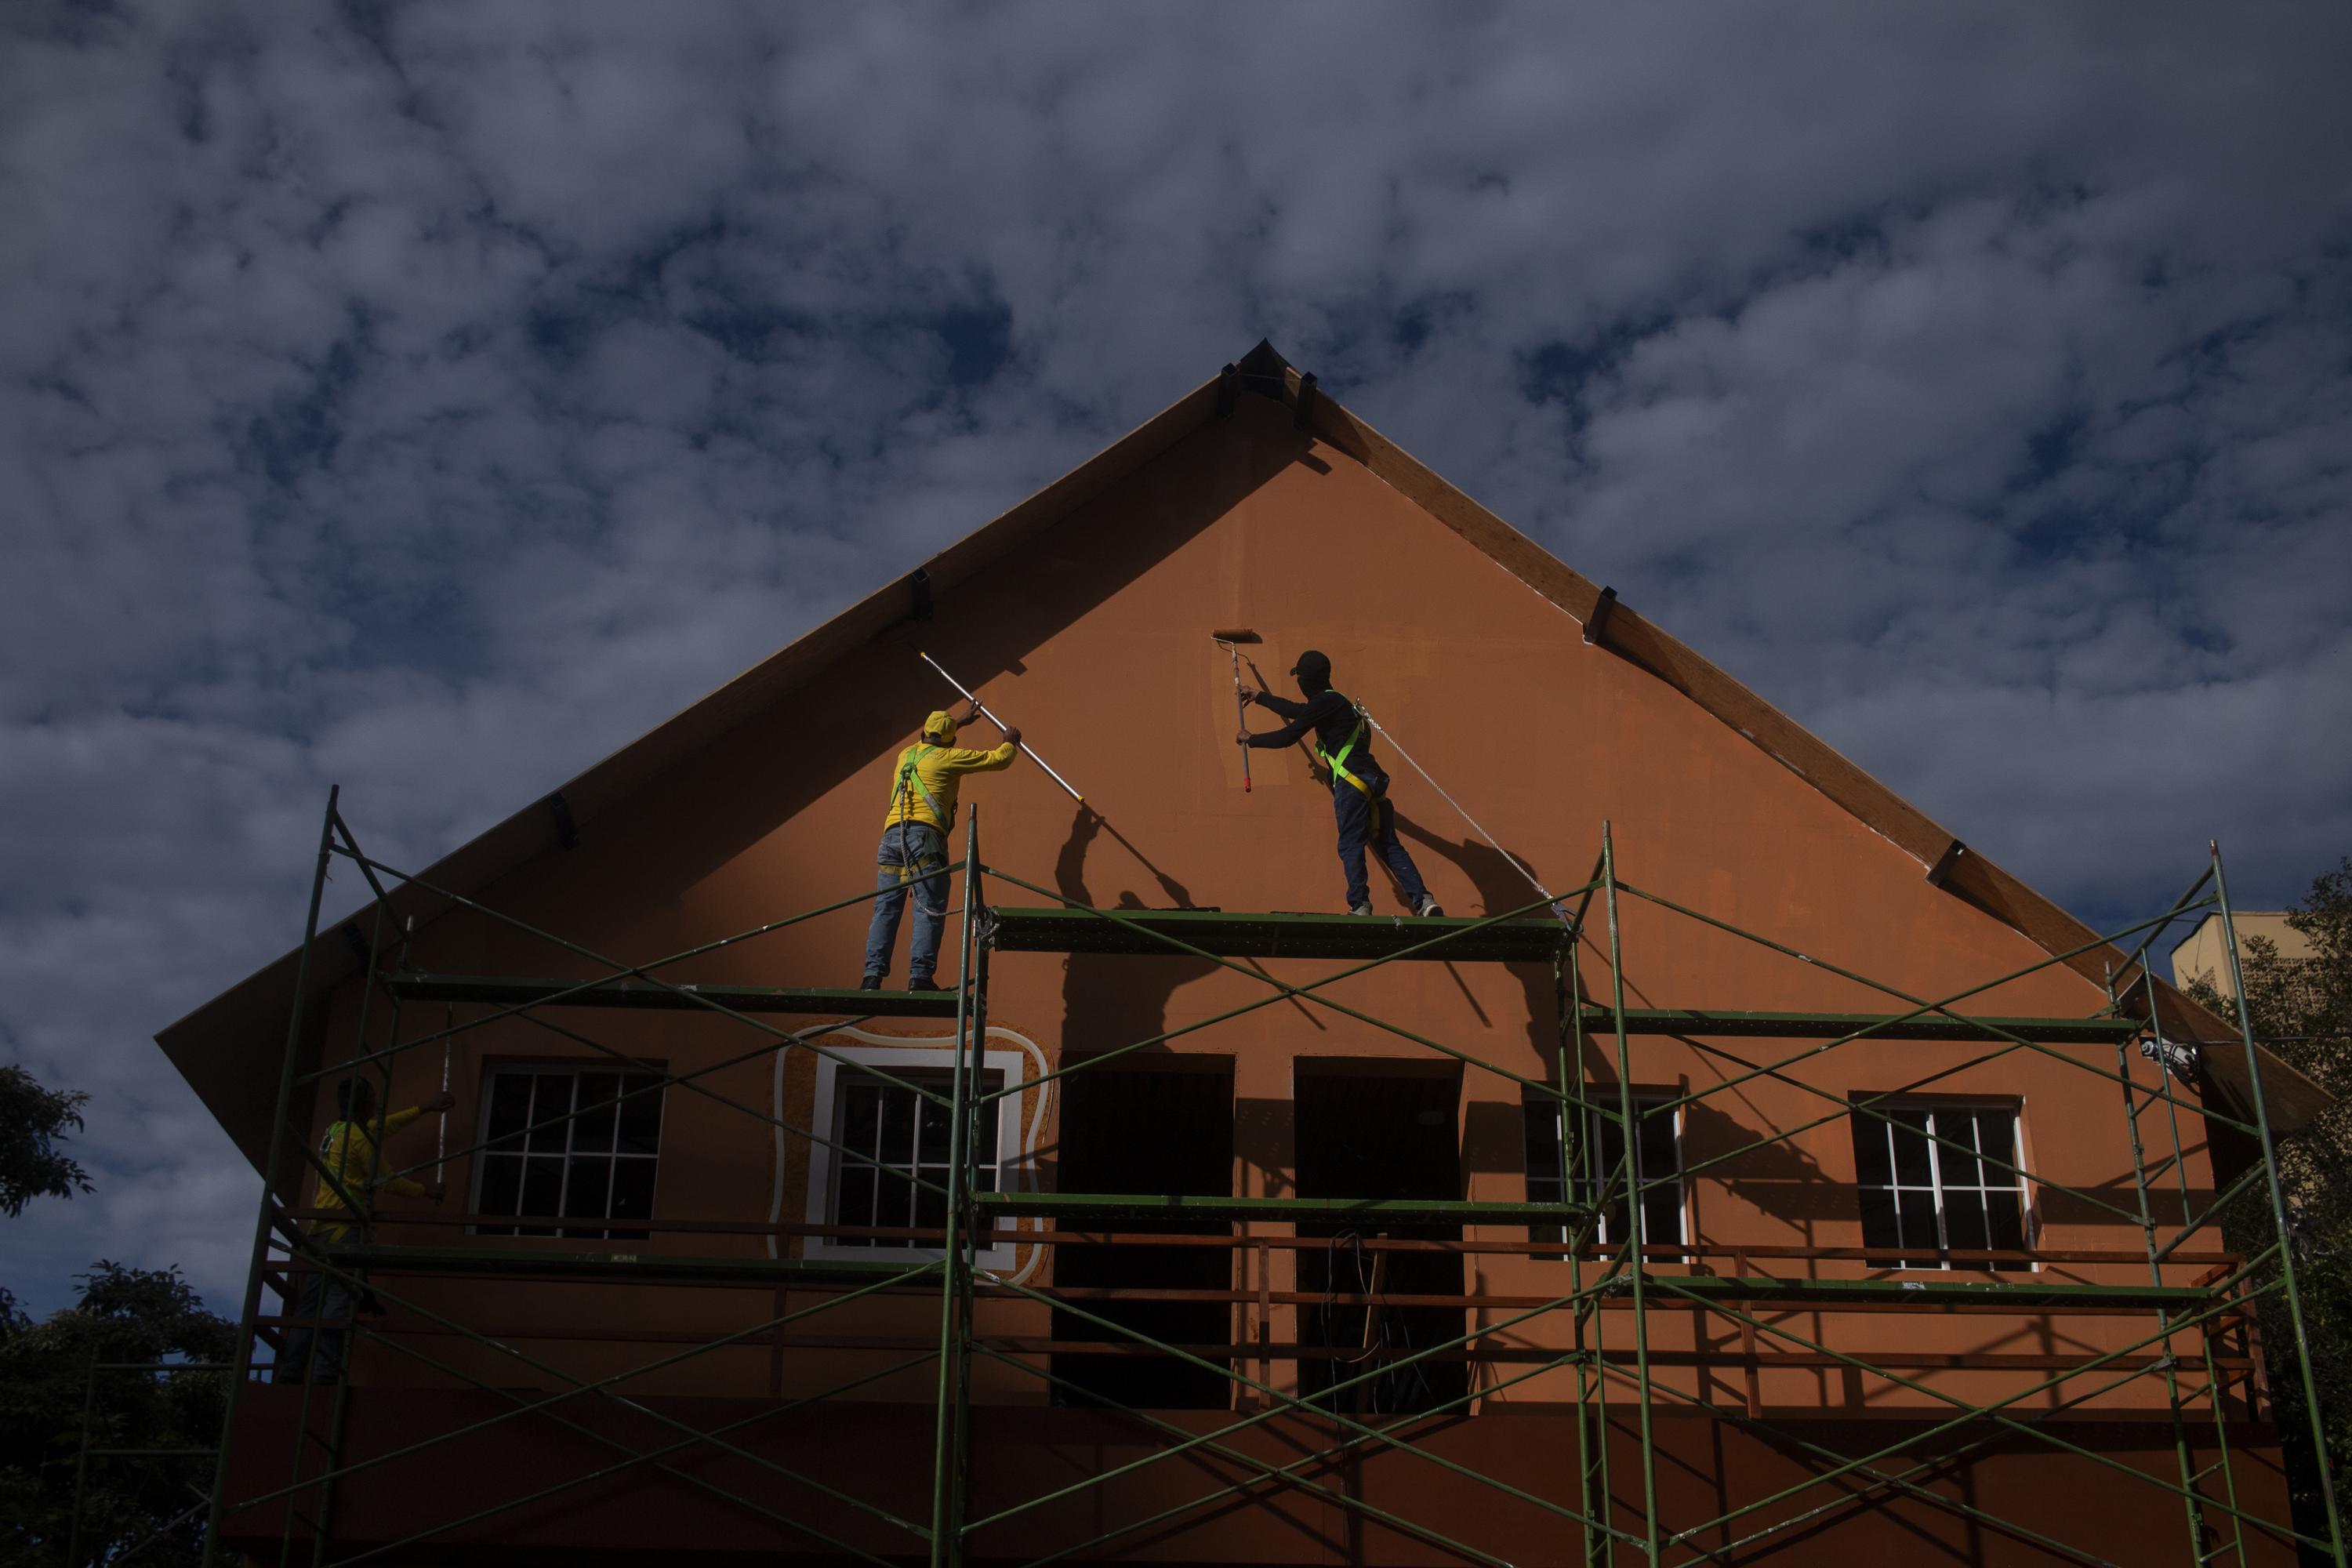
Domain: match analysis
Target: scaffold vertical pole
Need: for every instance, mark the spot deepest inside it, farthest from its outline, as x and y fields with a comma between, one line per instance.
x=2213, y=1396
x=2192, y=1502
x=1638, y=1260
x=947, y=1529
x=2284, y=1227
x=241, y=1365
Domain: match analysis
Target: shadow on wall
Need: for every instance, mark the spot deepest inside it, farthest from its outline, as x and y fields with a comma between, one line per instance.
x=1111, y=999
x=683, y=827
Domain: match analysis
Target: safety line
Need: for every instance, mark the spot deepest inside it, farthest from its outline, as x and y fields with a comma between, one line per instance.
x=1382, y=730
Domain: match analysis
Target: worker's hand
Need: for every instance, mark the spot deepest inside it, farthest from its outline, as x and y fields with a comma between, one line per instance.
x=969, y=713
x=436, y=1191
x=1243, y=739
x=445, y=1101
x=1013, y=736
x=1249, y=694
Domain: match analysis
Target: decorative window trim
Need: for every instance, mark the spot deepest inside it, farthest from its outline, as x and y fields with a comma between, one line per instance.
x=1012, y=1172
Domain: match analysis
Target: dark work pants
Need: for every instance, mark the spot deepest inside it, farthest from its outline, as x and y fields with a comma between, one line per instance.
x=1364, y=820
x=320, y=1298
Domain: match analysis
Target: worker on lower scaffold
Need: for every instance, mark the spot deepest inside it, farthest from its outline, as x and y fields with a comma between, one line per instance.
x=912, y=861
x=1360, y=787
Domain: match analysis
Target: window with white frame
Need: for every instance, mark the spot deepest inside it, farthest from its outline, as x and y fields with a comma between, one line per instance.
x=1936, y=1177
x=572, y=1143
x=884, y=1113
x=1657, y=1153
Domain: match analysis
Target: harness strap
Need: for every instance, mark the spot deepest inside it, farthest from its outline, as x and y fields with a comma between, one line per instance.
x=1339, y=763
x=908, y=774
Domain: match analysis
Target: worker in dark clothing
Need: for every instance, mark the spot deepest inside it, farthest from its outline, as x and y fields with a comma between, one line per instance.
x=1359, y=788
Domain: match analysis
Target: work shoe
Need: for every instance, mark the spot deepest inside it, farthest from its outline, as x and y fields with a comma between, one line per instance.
x=871, y=983
x=923, y=982
x=1363, y=909
x=1427, y=909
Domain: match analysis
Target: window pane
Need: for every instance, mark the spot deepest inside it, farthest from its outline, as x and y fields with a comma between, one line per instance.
x=897, y=1145
x=554, y=1100
x=1541, y=1115
x=2005, y=1219
x=1964, y=1220
x=894, y=1195
x=853, y=1202
x=592, y=1131
x=542, y=1190
x=633, y=1195
x=1878, y=1221
x=933, y=1135
x=640, y=1128
x=1958, y=1166
x=860, y=1122
x=1997, y=1137
x=1873, y=1164
x=930, y=1207
x=510, y=1110
x=1911, y=1166
x=1655, y=1139
x=502, y=1187
x=1917, y=1213
x=589, y=1189
x=1662, y=1216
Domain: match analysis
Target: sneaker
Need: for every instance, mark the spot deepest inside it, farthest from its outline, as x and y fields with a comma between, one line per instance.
x=923, y=982
x=1363, y=909
x=871, y=983
x=1427, y=909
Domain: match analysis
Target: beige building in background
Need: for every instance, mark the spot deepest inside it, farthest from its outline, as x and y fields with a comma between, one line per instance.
x=2202, y=952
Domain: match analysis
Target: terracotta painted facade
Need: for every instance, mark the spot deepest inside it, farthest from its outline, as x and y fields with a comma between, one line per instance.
x=1093, y=633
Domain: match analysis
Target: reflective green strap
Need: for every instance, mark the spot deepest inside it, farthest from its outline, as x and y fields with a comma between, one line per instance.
x=1338, y=765
x=909, y=775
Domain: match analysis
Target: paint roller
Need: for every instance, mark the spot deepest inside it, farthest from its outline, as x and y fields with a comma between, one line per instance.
x=1231, y=641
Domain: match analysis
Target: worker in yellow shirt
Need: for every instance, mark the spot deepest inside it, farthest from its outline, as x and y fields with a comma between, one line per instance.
x=914, y=853
x=324, y=1304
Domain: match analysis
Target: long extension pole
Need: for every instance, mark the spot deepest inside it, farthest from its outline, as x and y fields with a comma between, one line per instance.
x=2279, y=1218
x=1240, y=704
x=1000, y=723
x=242, y=1362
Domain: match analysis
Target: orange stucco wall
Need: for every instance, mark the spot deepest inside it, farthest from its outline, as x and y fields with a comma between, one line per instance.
x=1095, y=638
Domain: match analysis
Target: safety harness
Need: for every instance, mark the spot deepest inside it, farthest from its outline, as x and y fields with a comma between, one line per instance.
x=907, y=775
x=1338, y=762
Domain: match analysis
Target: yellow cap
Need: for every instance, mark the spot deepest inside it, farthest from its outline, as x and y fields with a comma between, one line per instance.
x=941, y=725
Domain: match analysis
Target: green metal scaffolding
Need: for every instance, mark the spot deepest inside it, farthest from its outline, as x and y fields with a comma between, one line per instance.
x=1605, y=1343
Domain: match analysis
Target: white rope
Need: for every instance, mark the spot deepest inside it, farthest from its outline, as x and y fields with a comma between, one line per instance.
x=1382, y=730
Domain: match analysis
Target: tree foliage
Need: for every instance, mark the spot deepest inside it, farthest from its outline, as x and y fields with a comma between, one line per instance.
x=124, y=1315
x=2301, y=1009
x=32, y=1118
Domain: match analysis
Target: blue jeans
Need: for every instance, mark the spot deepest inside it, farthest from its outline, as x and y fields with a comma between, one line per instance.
x=323, y=1298
x=912, y=859
x=1367, y=819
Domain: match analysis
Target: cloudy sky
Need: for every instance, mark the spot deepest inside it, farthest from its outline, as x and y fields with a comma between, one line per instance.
x=431, y=398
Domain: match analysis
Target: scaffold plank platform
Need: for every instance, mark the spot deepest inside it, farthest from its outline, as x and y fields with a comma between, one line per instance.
x=1882, y=1025
x=1079, y=1206
x=504, y=991
x=1258, y=934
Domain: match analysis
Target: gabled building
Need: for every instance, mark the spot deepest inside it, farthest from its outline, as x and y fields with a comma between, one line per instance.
x=1783, y=1184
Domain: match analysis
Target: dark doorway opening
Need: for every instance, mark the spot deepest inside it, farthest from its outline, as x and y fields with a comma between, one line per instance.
x=1163, y=1125
x=1375, y=1129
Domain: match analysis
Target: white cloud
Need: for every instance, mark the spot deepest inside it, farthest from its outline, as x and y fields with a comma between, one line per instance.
x=443, y=396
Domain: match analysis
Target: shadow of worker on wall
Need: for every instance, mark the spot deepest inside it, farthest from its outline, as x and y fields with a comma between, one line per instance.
x=1502, y=882
x=1138, y=1124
